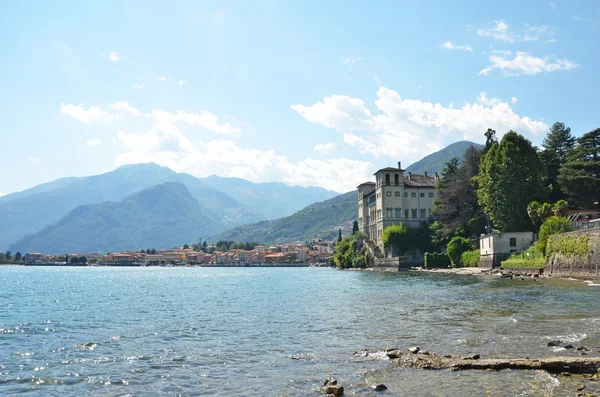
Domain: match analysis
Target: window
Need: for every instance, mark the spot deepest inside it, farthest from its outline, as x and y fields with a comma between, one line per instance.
x=397, y=194
x=389, y=194
x=423, y=214
x=398, y=213
x=421, y=194
x=396, y=180
x=389, y=212
x=413, y=194
x=513, y=242
x=406, y=213
x=430, y=195
x=414, y=213
x=387, y=179
x=405, y=194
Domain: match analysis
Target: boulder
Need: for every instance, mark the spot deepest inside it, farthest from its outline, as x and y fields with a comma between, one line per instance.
x=380, y=387
x=555, y=343
x=475, y=356
x=414, y=350
x=331, y=388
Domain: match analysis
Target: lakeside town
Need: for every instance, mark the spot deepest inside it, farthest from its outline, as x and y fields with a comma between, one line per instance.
x=314, y=253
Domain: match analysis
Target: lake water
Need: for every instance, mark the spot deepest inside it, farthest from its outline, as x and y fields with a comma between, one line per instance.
x=232, y=331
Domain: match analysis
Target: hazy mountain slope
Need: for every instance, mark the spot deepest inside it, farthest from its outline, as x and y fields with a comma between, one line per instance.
x=435, y=162
x=162, y=216
x=43, y=205
x=321, y=219
x=274, y=199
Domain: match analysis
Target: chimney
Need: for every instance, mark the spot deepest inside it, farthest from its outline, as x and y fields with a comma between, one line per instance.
x=437, y=178
x=410, y=176
x=425, y=174
x=399, y=165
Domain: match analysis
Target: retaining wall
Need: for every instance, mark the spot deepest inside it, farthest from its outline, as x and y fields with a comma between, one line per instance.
x=574, y=254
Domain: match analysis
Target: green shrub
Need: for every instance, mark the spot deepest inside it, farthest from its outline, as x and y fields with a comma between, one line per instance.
x=456, y=247
x=569, y=245
x=552, y=225
x=436, y=261
x=470, y=258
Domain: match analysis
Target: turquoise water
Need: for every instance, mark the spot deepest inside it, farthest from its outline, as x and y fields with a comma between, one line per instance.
x=232, y=331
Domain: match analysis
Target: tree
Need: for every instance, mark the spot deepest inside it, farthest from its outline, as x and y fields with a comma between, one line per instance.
x=345, y=253
x=456, y=206
x=340, y=236
x=579, y=177
x=8, y=255
x=490, y=139
x=394, y=239
x=142, y=251
x=18, y=257
x=456, y=247
x=511, y=176
x=533, y=211
x=186, y=247
x=556, y=146
x=552, y=225
x=560, y=208
x=355, y=227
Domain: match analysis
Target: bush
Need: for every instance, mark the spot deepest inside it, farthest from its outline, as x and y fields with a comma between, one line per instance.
x=552, y=225
x=437, y=261
x=520, y=263
x=456, y=247
x=470, y=258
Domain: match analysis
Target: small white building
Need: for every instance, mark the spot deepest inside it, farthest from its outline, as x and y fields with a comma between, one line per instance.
x=496, y=247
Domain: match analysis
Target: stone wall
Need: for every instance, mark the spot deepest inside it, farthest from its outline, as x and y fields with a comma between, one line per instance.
x=574, y=254
x=387, y=263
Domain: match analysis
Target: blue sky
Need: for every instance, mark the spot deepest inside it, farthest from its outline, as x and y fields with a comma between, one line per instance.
x=306, y=92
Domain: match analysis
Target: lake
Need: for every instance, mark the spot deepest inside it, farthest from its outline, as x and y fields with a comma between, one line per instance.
x=232, y=331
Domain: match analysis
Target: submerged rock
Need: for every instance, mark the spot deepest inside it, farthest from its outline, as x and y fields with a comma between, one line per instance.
x=380, y=387
x=331, y=388
x=414, y=350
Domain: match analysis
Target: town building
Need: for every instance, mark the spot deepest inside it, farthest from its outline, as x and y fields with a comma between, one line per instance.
x=496, y=247
x=395, y=198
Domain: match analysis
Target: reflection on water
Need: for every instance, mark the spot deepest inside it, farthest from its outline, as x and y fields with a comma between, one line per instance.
x=228, y=331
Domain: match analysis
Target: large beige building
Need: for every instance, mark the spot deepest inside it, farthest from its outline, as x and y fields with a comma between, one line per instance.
x=395, y=198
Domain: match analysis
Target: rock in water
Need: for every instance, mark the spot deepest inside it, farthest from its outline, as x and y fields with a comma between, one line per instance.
x=414, y=350
x=331, y=388
x=555, y=343
x=380, y=387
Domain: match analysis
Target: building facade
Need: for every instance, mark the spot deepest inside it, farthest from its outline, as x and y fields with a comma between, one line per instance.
x=395, y=198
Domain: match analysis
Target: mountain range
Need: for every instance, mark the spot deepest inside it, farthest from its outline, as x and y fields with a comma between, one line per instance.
x=146, y=205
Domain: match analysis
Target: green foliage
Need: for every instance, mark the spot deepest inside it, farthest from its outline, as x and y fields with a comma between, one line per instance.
x=355, y=227
x=511, y=176
x=456, y=206
x=555, y=148
x=340, y=236
x=561, y=208
x=436, y=261
x=320, y=220
x=579, y=176
x=435, y=162
x=569, y=245
x=18, y=257
x=552, y=225
x=470, y=258
x=395, y=235
x=456, y=247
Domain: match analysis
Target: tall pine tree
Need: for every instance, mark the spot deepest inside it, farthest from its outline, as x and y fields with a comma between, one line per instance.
x=556, y=146
x=579, y=176
x=511, y=176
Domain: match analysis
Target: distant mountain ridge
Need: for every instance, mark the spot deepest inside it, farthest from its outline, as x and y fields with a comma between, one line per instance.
x=163, y=216
x=29, y=211
x=435, y=162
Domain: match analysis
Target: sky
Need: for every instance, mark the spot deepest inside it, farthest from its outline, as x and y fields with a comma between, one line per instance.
x=310, y=93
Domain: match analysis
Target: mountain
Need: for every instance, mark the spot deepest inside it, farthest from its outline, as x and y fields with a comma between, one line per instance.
x=435, y=162
x=162, y=216
x=321, y=220
x=274, y=199
x=30, y=211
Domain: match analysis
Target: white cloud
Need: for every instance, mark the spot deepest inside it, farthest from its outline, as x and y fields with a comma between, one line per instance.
x=205, y=119
x=350, y=61
x=406, y=129
x=80, y=113
x=523, y=63
x=94, y=142
x=3, y=194
x=484, y=100
x=34, y=159
x=500, y=30
x=182, y=82
x=124, y=106
x=139, y=85
x=514, y=99
x=325, y=148
x=160, y=78
x=165, y=144
x=113, y=56
x=450, y=46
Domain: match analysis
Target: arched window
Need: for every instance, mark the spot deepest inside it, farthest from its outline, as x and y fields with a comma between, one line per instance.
x=387, y=179
x=396, y=180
